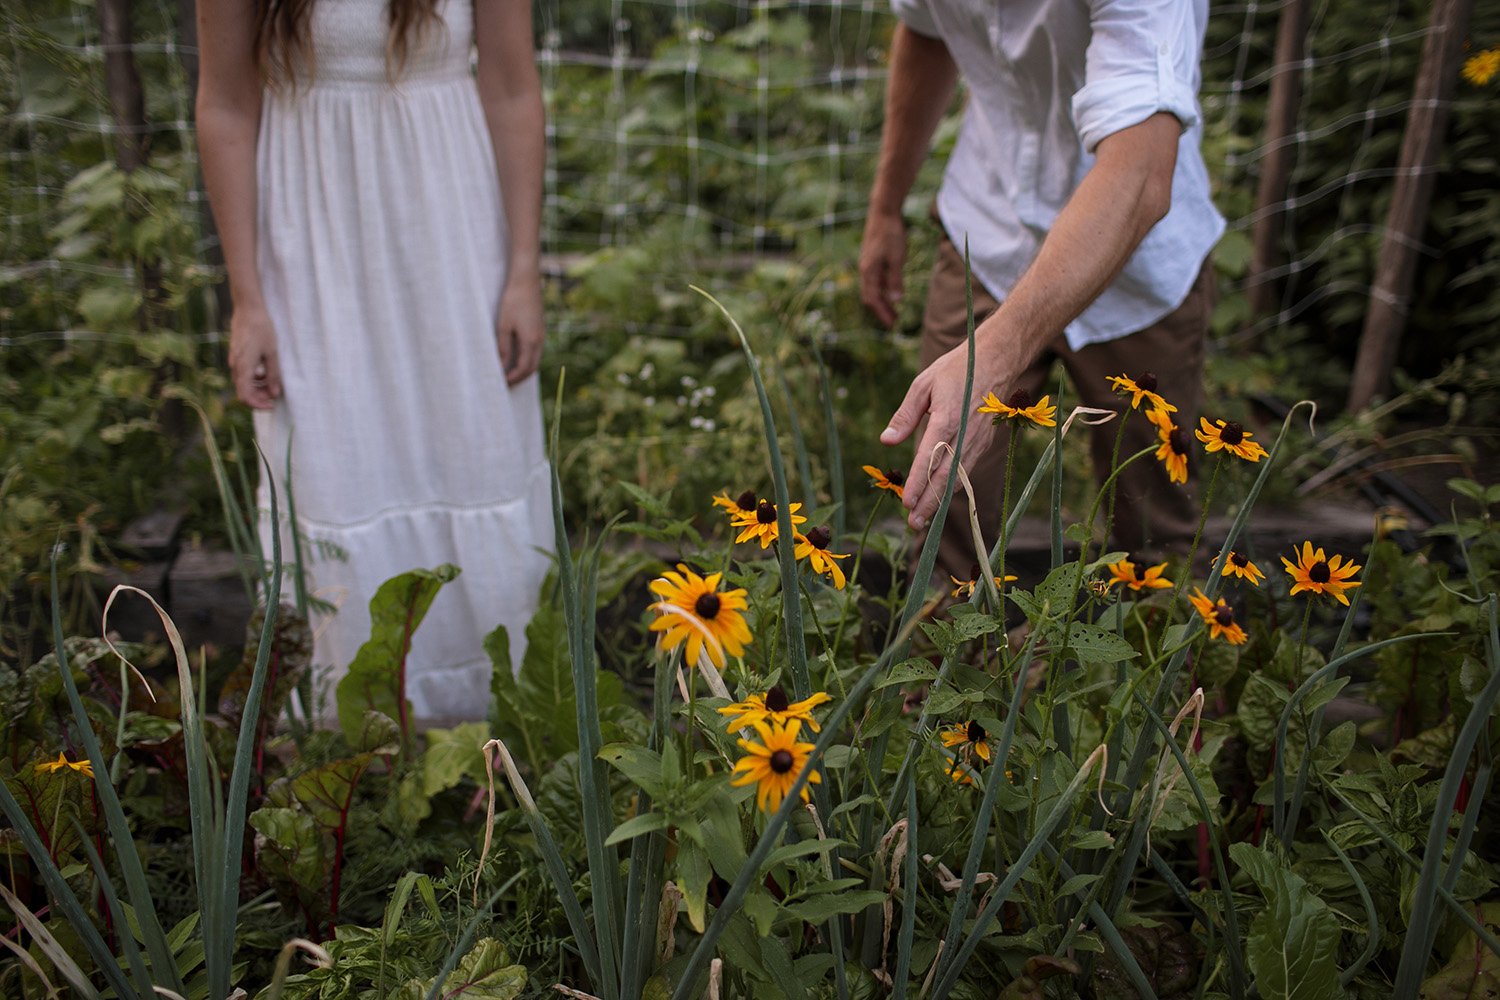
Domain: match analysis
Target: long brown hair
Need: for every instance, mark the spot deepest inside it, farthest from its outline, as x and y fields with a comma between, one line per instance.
x=283, y=44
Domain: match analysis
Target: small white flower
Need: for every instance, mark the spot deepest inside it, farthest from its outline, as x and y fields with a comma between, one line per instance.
x=623, y=378
x=649, y=400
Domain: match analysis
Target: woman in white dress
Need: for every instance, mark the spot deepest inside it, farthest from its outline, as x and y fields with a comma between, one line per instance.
x=379, y=207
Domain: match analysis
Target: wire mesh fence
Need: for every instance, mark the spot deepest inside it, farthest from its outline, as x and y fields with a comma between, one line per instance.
x=734, y=128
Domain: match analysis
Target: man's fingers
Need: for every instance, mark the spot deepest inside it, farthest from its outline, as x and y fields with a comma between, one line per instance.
x=913, y=409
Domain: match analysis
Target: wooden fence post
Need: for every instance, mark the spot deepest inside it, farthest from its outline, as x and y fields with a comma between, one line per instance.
x=1276, y=164
x=127, y=101
x=1396, y=267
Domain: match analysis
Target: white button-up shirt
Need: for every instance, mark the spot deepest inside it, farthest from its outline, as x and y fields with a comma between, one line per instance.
x=1047, y=80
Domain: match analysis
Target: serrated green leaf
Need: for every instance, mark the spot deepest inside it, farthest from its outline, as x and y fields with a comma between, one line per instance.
x=821, y=908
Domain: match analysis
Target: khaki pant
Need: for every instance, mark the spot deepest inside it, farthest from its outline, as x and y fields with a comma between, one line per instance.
x=1153, y=516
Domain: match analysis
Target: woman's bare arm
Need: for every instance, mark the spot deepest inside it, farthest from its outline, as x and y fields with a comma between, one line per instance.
x=511, y=93
x=228, y=113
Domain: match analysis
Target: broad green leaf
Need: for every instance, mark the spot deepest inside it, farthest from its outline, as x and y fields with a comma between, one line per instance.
x=637, y=825
x=1293, y=945
x=374, y=678
x=1092, y=644
x=485, y=973
x=916, y=670
x=693, y=873
x=820, y=908
x=326, y=792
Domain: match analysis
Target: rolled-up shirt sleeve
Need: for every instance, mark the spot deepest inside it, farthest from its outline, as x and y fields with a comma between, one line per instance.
x=1142, y=59
x=916, y=15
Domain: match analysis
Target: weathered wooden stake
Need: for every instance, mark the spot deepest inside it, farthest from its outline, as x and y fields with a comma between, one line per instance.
x=1276, y=163
x=1395, y=269
x=127, y=101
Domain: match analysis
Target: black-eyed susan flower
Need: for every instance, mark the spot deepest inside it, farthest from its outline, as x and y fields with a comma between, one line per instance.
x=1124, y=572
x=969, y=739
x=773, y=707
x=740, y=506
x=760, y=523
x=1219, y=617
x=83, y=767
x=1315, y=572
x=891, y=479
x=1229, y=436
x=1480, y=68
x=773, y=764
x=1020, y=406
x=1238, y=564
x=1173, y=450
x=813, y=547
x=1141, y=389
x=963, y=588
x=693, y=609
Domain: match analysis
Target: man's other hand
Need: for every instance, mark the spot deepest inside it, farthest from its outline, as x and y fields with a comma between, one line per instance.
x=882, y=258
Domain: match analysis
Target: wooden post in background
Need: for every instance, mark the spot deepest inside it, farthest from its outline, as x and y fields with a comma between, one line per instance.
x=127, y=101
x=1276, y=164
x=1396, y=267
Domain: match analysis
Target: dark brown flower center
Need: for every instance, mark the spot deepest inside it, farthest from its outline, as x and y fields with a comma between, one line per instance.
x=975, y=732
x=1318, y=572
x=765, y=512
x=896, y=477
x=819, y=537
x=1238, y=560
x=1019, y=400
x=974, y=573
x=776, y=699
x=707, y=605
x=1232, y=433
x=1224, y=616
x=781, y=761
x=1147, y=381
x=1177, y=442
x=747, y=500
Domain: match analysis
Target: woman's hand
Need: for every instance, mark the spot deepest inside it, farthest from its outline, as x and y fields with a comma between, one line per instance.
x=520, y=329
x=252, y=358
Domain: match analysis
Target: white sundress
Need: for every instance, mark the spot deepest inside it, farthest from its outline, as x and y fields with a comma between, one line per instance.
x=382, y=254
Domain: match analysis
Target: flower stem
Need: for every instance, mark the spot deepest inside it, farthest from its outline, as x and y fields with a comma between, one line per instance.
x=1114, y=485
x=1208, y=499
x=859, y=556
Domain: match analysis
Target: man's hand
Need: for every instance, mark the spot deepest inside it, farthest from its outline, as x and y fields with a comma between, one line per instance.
x=520, y=329
x=882, y=257
x=937, y=394
x=253, y=365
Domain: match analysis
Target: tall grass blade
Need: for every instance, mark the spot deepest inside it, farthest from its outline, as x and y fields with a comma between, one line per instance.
x=1423, y=925
x=598, y=812
x=791, y=600
x=953, y=961
x=1110, y=934
x=799, y=443
x=1237, y=975
x=1372, y=916
x=1303, y=690
x=992, y=781
x=62, y=897
x=835, y=447
x=58, y=955
x=219, y=953
x=117, y=913
x=912, y=894
x=465, y=941
x=1288, y=826
x=129, y=859
x=243, y=540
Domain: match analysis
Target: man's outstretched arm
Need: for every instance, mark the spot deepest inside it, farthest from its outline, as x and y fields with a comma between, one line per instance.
x=1125, y=193
x=918, y=89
